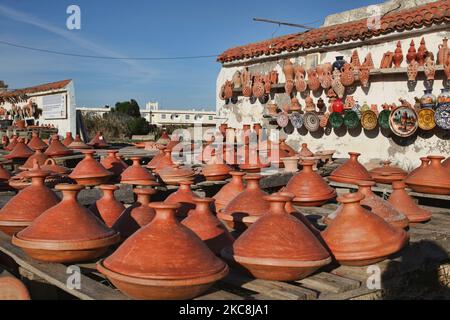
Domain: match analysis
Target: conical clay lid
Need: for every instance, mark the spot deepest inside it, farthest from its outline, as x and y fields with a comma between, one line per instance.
x=57, y=149
x=433, y=178
x=229, y=191
x=20, y=151
x=351, y=171
x=113, y=163
x=36, y=142
x=38, y=155
x=78, y=144
x=107, y=208
x=68, y=139
x=137, y=174
x=184, y=197
x=89, y=167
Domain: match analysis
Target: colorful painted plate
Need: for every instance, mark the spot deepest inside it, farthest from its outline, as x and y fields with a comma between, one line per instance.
x=383, y=119
x=426, y=119
x=336, y=120
x=403, y=121
x=311, y=121
x=296, y=120
x=351, y=119
x=442, y=117
x=369, y=120
x=282, y=119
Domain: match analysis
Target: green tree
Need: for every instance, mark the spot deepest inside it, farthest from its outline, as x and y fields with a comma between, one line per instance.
x=130, y=108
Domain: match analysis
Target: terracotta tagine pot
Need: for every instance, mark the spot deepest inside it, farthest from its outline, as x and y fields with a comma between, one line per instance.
x=163, y=162
x=113, y=163
x=247, y=206
x=12, y=143
x=351, y=171
x=230, y=190
x=137, y=215
x=107, y=208
x=38, y=155
x=77, y=143
x=57, y=149
x=446, y=163
x=387, y=173
x=268, y=252
x=433, y=178
x=357, y=237
x=36, y=142
x=178, y=266
x=183, y=196
x=252, y=161
x=305, y=152
x=20, y=152
x=54, y=169
x=401, y=201
x=98, y=142
x=309, y=188
x=164, y=139
x=152, y=163
x=137, y=174
x=175, y=174
x=89, y=172
x=68, y=139
x=5, y=175
x=13, y=289
x=207, y=227
x=67, y=232
x=216, y=169
x=21, y=210
x=424, y=161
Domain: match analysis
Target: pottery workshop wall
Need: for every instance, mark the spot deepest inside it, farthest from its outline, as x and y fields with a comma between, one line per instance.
x=383, y=88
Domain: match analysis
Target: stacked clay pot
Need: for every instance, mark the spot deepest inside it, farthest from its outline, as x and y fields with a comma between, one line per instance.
x=113, y=163
x=387, y=173
x=68, y=139
x=178, y=266
x=137, y=215
x=67, y=232
x=21, y=152
x=89, y=172
x=278, y=246
x=247, y=206
x=401, y=201
x=36, y=142
x=229, y=191
x=184, y=197
x=207, y=227
x=137, y=174
x=38, y=155
x=78, y=144
x=433, y=178
x=309, y=188
x=175, y=174
x=305, y=152
x=57, y=149
x=107, y=208
x=351, y=171
x=28, y=204
x=98, y=142
x=358, y=237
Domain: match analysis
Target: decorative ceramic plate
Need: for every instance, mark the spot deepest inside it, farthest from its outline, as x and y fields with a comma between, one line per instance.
x=442, y=117
x=383, y=119
x=296, y=120
x=426, y=119
x=369, y=120
x=356, y=108
x=351, y=119
x=403, y=121
x=311, y=121
x=282, y=119
x=336, y=120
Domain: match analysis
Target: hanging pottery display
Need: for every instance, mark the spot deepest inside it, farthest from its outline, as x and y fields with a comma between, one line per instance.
x=387, y=173
x=343, y=234
x=347, y=75
x=57, y=149
x=297, y=120
x=36, y=142
x=336, y=84
x=295, y=105
x=369, y=120
x=282, y=119
x=411, y=55
x=230, y=190
x=398, y=55
x=351, y=119
x=67, y=232
x=412, y=70
x=383, y=118
x=443, y=52
x=178, y=266
x=429, y=67
x=268, y=252
x=311, y=121
x=386, y=61
x=300, y=82
x=433, y=178
x=336, y=120
x=403, y=121
x=442, y=117
x=107, y=208
x=258, y=89
x=444, y=97
x=313, y=79
x=364, y=74
x=421, y=52
x=237, y=83
x=351, y=171
x=426, y=119
x=207, y=227
x=339, y=63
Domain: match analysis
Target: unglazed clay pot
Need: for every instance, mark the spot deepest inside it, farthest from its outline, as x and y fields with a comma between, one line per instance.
x=20, y=151
x=67, y=232
x=351, y=171
x=175, y=174
x=136, y=216
x=387, y=173
x=107, y=208
x=5, y=175
x=433, y=179
x=443, y=52
x=229, y=191
x=89, y=172
x=216, y=169
x=57, y=149
x=401, y=201
x=38, y=155
x=305, y=152
x=424, y=161
x=247, y=206
x=163, y=162
x=183, y=196
x=68, y=139
x=357, y=237
x=12, y=143
x=164, y=139
x=278, y=246
x=12, y=288
x=36, y=142
x=309, y=188
x=137, y=174
x=446, y=163
x=28, y=204
x=54, y=169
x=411, y=52
x=152, y=163
x=114, y=164
x=207, y=227
x=178, y=266
x=78, y=144
x=421, y=52
x=98, y=142
x=398, y=55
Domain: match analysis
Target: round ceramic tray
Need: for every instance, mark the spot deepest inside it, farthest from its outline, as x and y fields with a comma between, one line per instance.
x=296, y=119
x=351, y=119
x=426, y=119
x=383, y=119
x=282, y=119
x=336, y=120
x=442, y=117
x=403, y=121
x=369, y=120
x=311, y=121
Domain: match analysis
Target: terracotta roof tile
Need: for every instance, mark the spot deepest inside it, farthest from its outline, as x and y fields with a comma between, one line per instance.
x=40, y=88
x=420, y=16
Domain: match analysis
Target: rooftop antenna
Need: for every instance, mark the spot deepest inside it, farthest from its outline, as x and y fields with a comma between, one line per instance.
x=283, y=23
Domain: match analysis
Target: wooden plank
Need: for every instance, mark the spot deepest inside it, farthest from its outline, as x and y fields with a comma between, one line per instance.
x=219, y=295
x=325, y=282
x=351, y=294
x=56, y=274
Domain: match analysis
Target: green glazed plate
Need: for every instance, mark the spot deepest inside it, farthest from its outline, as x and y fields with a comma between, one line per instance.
x=336, y=120
x=351, y=119
x=383, y=119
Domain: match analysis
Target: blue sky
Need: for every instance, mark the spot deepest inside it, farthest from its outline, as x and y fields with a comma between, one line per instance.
x=141, y=28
